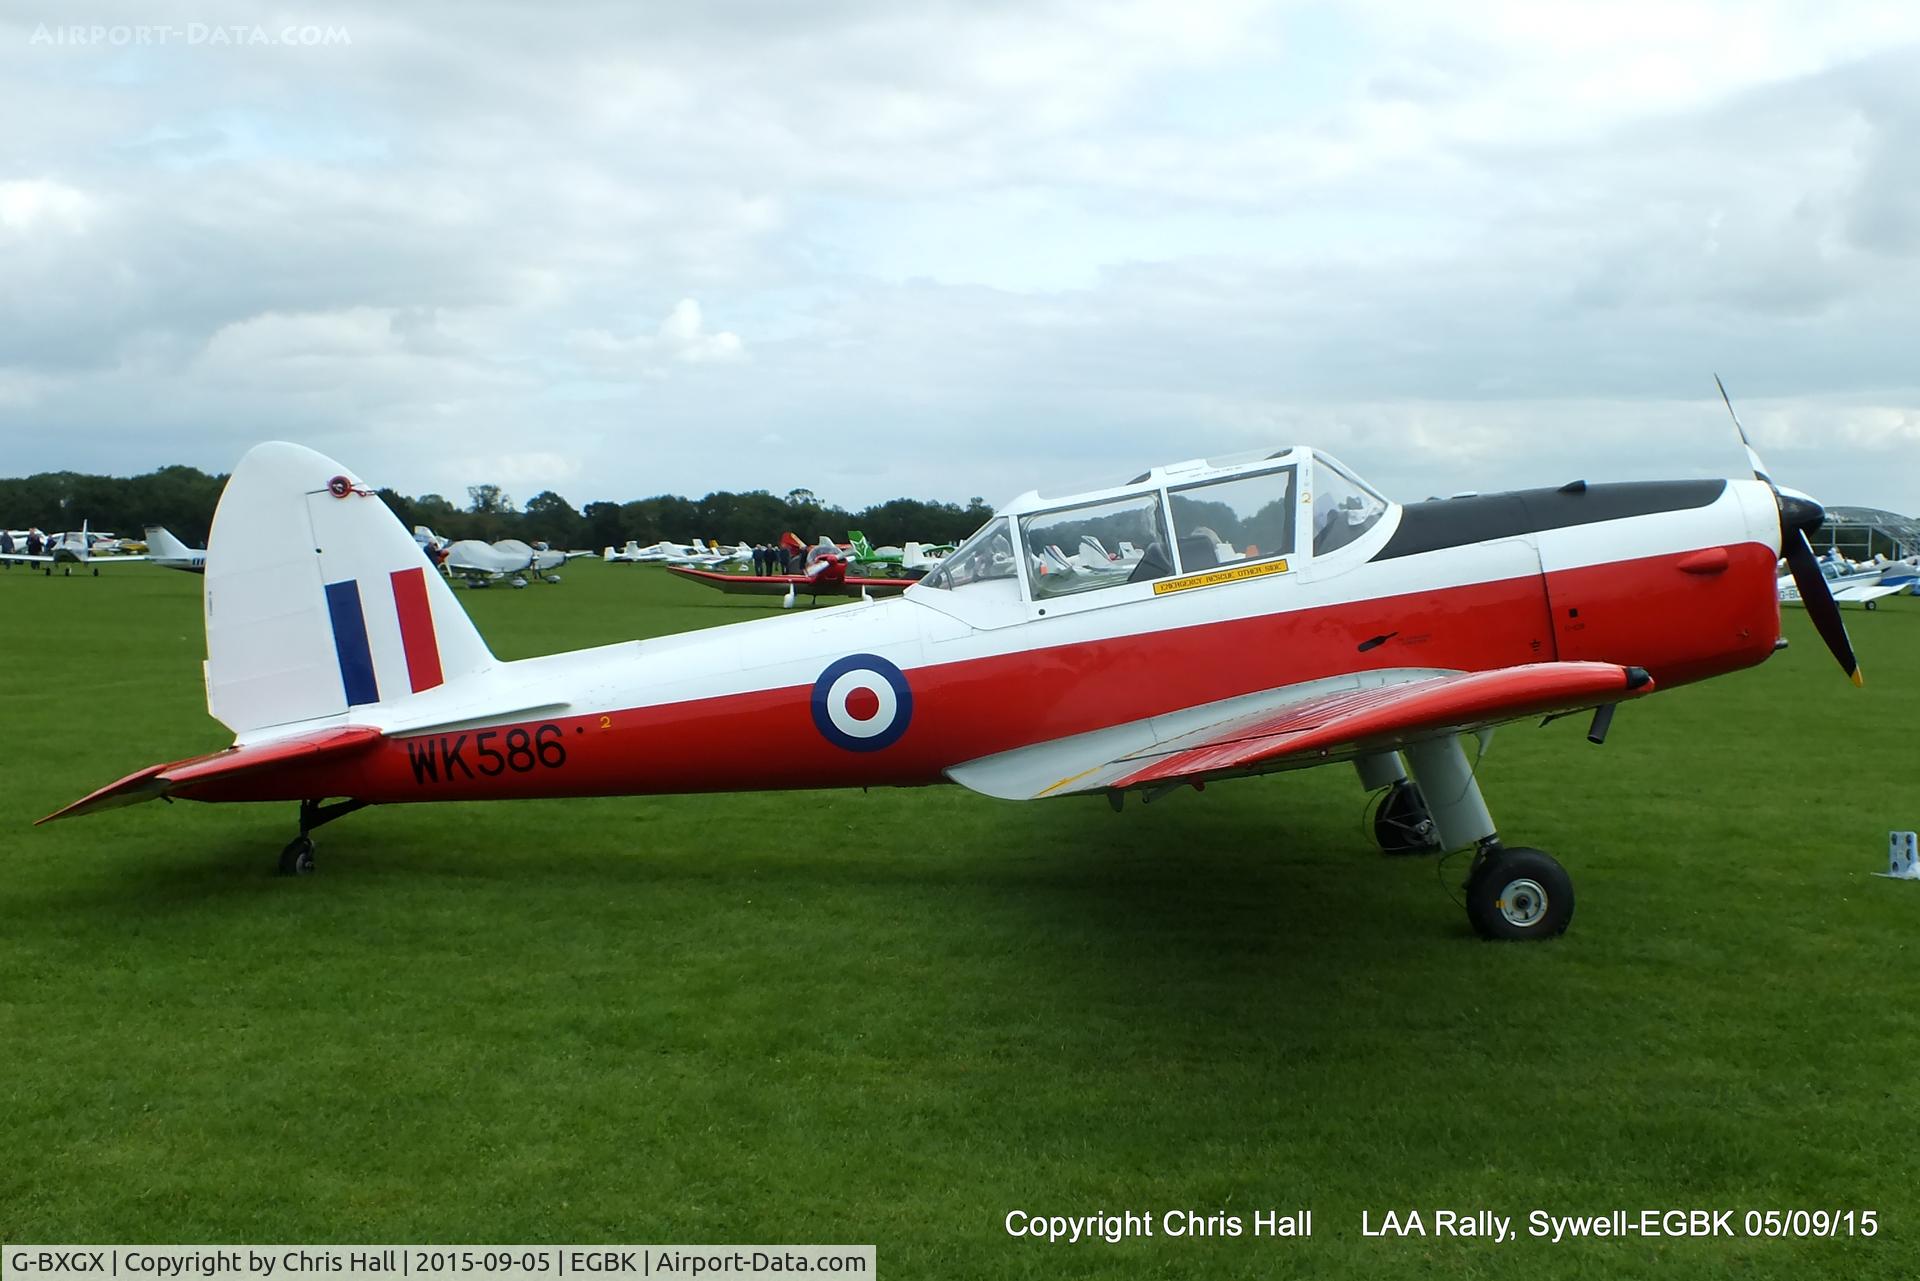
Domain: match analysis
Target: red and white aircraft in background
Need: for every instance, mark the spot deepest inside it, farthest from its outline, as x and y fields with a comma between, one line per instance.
x=827, y=572
x=1282, y=615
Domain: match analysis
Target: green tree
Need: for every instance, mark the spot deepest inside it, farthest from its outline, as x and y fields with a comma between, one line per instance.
x=551, y=518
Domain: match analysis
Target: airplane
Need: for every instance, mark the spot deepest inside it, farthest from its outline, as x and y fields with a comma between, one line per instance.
x=913, y=560
x=166, y=550
x=621, y=555
x=664, y=552
x=79, y=547
x=830, y=580
x=1349, y=629
x=481, y=563
x=712, y=556
x=827, y=572
x=1848, y=582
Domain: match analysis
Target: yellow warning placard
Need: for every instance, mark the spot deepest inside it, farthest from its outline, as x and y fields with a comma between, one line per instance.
x=1214, y=577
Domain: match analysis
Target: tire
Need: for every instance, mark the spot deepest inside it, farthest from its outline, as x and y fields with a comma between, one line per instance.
x=1401, y=824
x=1519, y=894
x=297, y=858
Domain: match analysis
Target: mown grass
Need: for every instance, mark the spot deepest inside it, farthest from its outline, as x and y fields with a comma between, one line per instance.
x=895, y=1016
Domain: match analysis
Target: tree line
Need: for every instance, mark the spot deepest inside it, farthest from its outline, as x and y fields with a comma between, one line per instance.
x=183, y=499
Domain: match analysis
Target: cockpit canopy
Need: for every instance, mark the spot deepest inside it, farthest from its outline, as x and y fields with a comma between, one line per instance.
x=1180, y=519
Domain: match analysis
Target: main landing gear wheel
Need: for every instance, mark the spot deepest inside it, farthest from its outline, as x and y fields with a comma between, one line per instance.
x=1518, y=894
x=297, y=858
x=1401, y=824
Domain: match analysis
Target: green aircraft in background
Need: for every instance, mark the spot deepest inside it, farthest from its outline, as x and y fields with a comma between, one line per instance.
x=894, y=562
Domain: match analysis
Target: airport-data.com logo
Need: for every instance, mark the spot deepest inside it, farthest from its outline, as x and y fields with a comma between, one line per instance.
x=203, y=34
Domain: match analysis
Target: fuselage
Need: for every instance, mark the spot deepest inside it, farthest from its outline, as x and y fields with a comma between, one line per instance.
x=1673, y=577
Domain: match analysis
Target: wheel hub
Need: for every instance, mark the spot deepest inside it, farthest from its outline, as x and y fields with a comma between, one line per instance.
x=1522, y=901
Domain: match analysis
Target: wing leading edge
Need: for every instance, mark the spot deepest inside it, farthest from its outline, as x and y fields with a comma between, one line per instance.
x=1318, y=725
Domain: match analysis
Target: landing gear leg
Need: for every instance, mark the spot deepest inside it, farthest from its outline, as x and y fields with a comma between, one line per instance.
x=1518, y=893
x=297, y=858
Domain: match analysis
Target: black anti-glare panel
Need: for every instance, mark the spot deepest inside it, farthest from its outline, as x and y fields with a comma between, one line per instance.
x=1457, y=522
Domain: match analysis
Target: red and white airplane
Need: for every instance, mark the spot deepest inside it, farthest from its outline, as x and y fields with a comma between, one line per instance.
x=1282, y=615
x=826, y=575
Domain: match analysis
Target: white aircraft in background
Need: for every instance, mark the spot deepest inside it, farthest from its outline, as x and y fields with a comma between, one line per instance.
x=628, y=555
x=713, y=556
x=651, y=554
x=78, y=547
x=166, y=550
x=482, y=563
x=1849, y=581
x=699, y=554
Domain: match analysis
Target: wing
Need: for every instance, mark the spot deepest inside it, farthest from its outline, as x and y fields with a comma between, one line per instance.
x=39, y=560
x=1298, y=726
x=1868, y=591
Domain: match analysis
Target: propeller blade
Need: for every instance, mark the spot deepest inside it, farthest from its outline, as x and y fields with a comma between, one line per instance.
x=1798, y=514
x=1817, y=596
x=1753, y=459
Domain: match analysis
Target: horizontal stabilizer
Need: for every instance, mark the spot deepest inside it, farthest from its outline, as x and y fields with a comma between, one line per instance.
x=169, y=779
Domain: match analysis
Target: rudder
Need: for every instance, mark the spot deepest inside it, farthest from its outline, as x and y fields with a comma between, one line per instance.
x=318, y=600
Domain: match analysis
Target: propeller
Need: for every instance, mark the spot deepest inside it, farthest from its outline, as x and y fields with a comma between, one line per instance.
x=1800, y=514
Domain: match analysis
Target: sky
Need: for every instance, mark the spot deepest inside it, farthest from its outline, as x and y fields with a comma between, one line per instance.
x=951, y=250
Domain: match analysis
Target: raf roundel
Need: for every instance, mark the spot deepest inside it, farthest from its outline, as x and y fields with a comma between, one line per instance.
x=862, y=703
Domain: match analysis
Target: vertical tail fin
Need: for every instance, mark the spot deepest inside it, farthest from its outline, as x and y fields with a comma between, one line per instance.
x=318, y=600
x=162, y=543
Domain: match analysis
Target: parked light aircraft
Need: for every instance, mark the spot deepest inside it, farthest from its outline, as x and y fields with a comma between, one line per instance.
x=166, y=550
x=1346, y=628
x=666, y=553
x=826, y=576
x=1849, y=583
x=78, y=547
x=913, y=561
x=712, y=555
x=510, y=560
x=628, y=555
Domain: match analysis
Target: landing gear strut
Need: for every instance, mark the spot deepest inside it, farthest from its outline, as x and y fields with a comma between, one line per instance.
x=297, y=858
x=1513, y=893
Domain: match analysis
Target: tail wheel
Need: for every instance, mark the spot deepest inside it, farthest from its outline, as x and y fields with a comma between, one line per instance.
x=297, y=858
x=1519, y=894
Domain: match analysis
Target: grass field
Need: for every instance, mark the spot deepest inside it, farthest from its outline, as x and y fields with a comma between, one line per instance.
x=894, y=1017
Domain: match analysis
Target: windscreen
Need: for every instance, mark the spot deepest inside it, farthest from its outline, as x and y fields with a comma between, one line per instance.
x=1343, y=507
x=986, y=557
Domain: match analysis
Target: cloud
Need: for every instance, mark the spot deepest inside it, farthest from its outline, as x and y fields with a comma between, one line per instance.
x=682, y=338
x=1016, y=244
x=42, y=207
